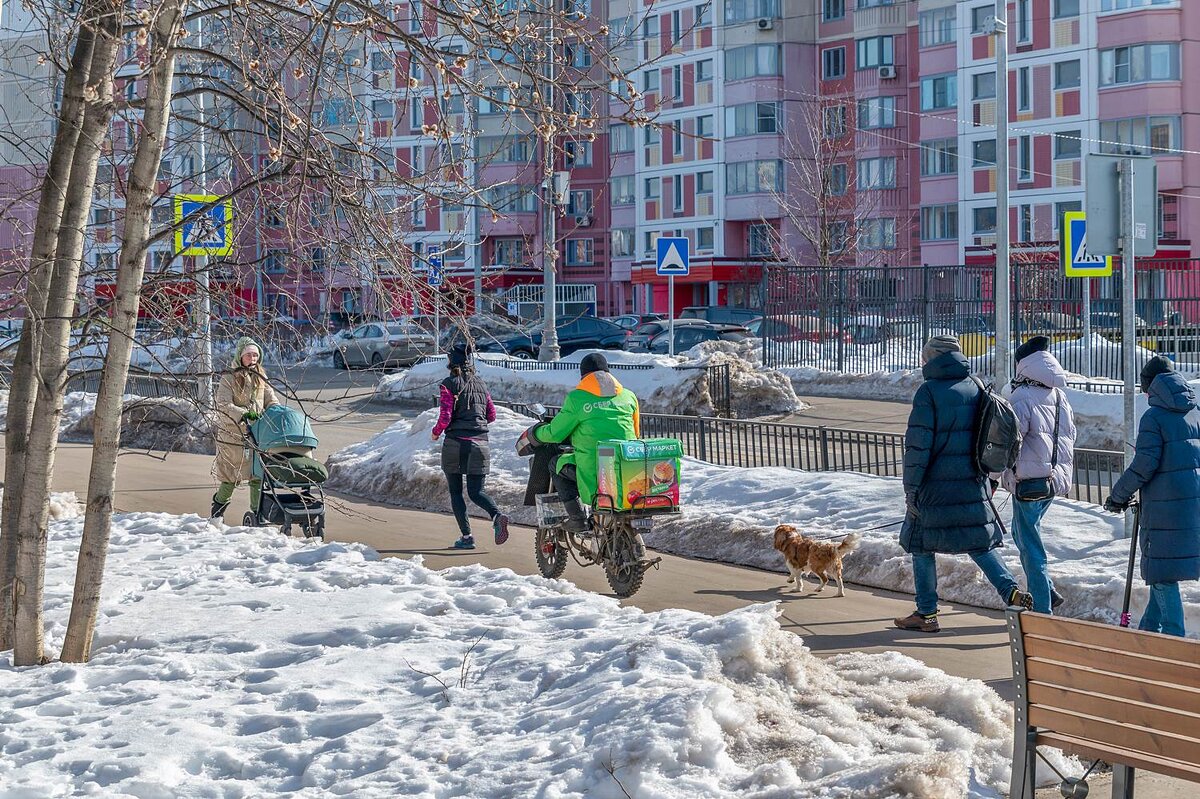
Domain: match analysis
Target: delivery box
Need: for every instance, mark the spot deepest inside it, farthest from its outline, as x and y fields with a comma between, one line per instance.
x=639, y=474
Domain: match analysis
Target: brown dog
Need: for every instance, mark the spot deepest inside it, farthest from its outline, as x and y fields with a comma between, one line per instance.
x=818, y=558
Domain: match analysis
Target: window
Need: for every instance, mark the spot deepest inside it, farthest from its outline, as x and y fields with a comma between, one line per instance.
x=579, y=202
x=509, y=251
x=1024, y=21
x=704, y=182
x=1139, y=64
x=751, y=119
x=1024, y=222
x=383, y=110
x=1066, y=74
x=1067, y=144
x=416, y=113
x=874, y=52
x=704, y=16
x=1122, y=5
x=981, y=18
x=503, y=149
x=622, y=242
x=415, y=13
x=1025, y=158
x=761, y=239
x=704, y=70
x=877, y=112
x=873, y=3
x=984, y=219
x=579, y=103
x=578, y=55
x=939, y=157
x=983, y=154
x=833, y=9
x=677, y=136
x=677, y=82
x=746, y=10
x=677, y=190
x=1140, y=135
x=316, y=259
x=838, y=236
x=380, y=62
x=877, y=234
x=983, y=85
x=273, y=217
x=751, y=177
x=162, y=214
x=705, y=239
x=577, y=154
x=1024, y=89
x=622, y=190
x=652, y=135
x=1065, y=207
x=650, y=81
x=102, y=216
x=838, y=179
x=834, y=121
x=755, y=60
x=652, y=188
x=620, y=138
x=496, y=101
x=579, y=252
x=511, y=199
x=275, y=262
x=937, y=26
x=1066, y=8
x=939, y=223
x=939, y=92
x=876, y=173
x=704, y=127
x=418, y=213
x=833, y=63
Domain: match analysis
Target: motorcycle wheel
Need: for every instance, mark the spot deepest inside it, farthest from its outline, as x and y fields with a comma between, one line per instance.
x=623, y=567
x=551, y=556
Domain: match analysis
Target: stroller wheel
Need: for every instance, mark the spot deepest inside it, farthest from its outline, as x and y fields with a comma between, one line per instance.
x=286, y=529
x=249, y=520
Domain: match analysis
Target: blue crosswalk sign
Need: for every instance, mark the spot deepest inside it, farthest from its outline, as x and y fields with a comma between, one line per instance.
x=435, y=266
x=203, y=225
x=673, y=256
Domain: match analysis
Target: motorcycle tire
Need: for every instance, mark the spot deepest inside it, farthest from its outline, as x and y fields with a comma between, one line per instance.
x=551, y=556
x=629, y=551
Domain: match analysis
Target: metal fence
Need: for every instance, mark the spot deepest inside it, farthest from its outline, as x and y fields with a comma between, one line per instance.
x=866, y=319
x=141, y=384
x=752, y=444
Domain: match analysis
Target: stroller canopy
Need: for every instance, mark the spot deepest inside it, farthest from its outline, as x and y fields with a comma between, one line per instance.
x=281, y=426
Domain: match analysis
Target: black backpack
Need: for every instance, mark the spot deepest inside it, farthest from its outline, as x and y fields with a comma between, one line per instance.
x=997, y=432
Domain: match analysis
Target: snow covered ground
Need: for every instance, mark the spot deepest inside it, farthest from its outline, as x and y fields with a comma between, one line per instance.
x=661, y=388
x=729, y=515
x=233, y=662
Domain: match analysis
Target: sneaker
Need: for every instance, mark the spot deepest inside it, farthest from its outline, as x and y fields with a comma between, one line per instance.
x=1056, y=599
x=919, y=622
x=500, y=526
x=1020, y=599
x=466, y=542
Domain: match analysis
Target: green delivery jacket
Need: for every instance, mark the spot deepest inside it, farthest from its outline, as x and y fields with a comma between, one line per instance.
x=599, y=409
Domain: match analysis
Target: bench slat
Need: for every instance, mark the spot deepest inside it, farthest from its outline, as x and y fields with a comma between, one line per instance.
x=1089, y=750
x=1116, y=734
x=1147, y=716
x=1106, y=636
x=1106, y=683
x=1186, y=674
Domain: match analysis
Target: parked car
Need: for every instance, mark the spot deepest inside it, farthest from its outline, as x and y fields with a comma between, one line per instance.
x=688, y=336
x=581, y=333
x=795, y=327
x=478, y=329
x=640, y=338
x=631, y=321
x=719, y=314
x=1105, y=320
x=377, y=344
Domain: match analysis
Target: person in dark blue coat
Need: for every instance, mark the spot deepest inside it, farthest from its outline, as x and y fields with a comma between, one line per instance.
x=947, y=498
x=1166, y=469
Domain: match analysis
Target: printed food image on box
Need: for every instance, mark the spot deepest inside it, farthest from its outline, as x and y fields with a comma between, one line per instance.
x=639, y=474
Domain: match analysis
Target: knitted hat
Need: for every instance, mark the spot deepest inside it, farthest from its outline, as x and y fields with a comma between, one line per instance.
x=243, y=344
x=456, y=357
x=1032, y=345
x=593, y=362
x=1158, y=365
x=939, y=345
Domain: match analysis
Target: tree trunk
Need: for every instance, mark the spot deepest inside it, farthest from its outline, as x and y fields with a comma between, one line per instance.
x=28, y=634
x=23, y=388
x=139, y=196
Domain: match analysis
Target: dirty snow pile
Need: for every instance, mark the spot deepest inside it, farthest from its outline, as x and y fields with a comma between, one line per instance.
x=892, y=386
x=664, y=384
x=729, y=515
x=235, y=662
x=166, y=424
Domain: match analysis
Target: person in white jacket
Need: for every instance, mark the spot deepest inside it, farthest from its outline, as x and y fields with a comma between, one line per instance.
x=1045, y=465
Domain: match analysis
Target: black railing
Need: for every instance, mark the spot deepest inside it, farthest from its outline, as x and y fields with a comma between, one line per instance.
x=752, y=444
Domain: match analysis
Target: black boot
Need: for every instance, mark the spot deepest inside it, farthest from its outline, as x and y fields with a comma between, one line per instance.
x=218, y=510
x=577, y=521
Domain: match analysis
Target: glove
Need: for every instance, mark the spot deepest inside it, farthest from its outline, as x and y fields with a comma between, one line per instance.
x=1112, y=506
x=910, y=504
x=251, y=416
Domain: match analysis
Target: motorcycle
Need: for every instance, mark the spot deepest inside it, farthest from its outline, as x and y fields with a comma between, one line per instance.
x=613, y=538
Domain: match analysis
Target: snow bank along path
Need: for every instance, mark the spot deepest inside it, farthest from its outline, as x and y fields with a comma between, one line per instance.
x=233, y=662
x=729, y=515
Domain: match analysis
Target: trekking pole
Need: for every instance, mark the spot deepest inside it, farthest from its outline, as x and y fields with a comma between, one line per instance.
x=1137, y=516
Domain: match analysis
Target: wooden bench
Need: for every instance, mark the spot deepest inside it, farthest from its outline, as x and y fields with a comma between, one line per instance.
x=1101, y=692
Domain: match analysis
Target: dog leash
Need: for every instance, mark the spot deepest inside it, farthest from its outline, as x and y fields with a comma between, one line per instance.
x=849, y=532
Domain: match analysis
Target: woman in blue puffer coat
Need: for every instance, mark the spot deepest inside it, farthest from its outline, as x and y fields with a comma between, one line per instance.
x=1166, y=469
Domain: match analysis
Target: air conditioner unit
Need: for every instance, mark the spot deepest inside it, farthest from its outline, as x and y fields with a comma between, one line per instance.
x=583, y=220
x=766, y=24
x=887, y=72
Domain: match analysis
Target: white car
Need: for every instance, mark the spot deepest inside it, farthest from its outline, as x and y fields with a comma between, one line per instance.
x=377, y=344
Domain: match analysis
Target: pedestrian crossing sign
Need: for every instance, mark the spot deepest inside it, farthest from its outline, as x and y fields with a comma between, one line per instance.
x=1077, y=261
x=203, y=225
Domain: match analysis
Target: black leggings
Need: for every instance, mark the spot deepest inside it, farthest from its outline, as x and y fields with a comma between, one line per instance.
x=475, y=492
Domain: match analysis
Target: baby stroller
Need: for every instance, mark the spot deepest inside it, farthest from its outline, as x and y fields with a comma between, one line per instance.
x=281, y=443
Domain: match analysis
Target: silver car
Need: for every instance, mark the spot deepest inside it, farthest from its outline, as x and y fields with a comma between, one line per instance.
x=378, y=344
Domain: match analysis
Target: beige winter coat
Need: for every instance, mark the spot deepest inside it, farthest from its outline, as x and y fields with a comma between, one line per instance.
x=240, y=391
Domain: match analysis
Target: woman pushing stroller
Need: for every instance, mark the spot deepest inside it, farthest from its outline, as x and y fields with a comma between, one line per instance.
x=242, y=396
x=466, y=411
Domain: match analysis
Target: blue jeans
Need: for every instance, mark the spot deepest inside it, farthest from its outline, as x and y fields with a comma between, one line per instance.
x=1164, y=613
x=925, y=578
x=1027, y=533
